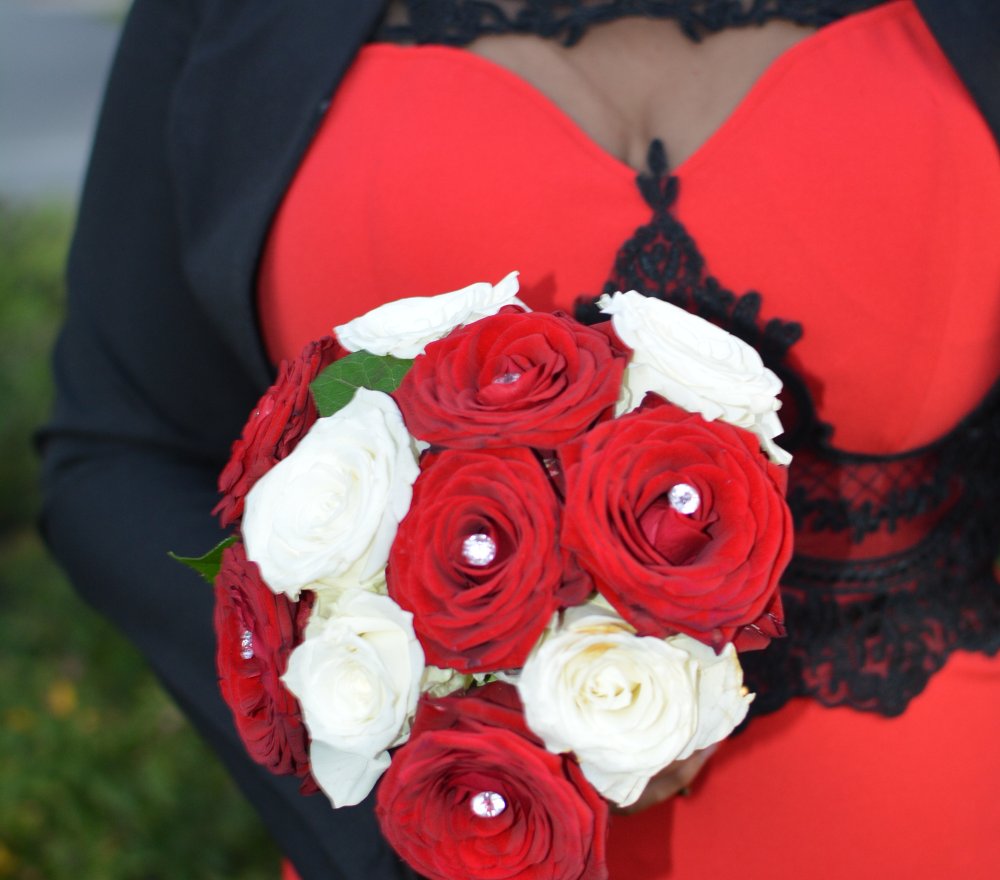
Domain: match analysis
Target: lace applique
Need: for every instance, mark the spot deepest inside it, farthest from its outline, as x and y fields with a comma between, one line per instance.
x=894, y=562
x=870, y=632
x=662, y=260
x=459, y=22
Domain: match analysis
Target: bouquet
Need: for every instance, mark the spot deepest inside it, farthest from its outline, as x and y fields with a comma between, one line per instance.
x=500, y=564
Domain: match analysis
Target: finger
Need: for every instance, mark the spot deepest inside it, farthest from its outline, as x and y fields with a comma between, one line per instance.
x=687, y=770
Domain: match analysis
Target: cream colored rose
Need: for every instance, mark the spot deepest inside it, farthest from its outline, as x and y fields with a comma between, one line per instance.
x=404, y=327
x=357, y=675
x=330, y=510
x=695, y=365
x=627, y=706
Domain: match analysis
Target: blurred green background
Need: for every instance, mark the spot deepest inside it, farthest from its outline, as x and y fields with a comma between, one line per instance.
x=100, y=776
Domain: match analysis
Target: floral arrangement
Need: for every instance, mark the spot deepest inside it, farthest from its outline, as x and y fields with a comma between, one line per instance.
x=500, y=564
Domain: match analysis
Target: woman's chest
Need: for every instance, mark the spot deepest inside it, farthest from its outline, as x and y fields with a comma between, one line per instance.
x=854, y=187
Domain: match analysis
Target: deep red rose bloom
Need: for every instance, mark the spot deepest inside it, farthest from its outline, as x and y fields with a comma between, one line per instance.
x=281, y=418
x=513, y=379
x=552, y=825
x=256, y=631
x=709, y=573
x=468, y=616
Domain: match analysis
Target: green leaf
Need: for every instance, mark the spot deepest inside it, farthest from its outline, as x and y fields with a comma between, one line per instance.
x=208, y=565
x=334, y=388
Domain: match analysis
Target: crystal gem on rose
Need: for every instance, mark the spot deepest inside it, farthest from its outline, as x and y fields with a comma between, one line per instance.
x=684, y=499
x=479, y=550
x=488, y=804
x=246, y=645
x=506, y=379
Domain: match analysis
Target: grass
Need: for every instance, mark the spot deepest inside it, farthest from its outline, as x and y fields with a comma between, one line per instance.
x=101, y=775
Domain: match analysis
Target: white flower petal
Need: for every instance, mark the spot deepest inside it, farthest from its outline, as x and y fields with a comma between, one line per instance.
x=357, y=676
x=723, y=701
x=695, y=365
x=404, y=327
x=329, y=511
x=623, y=789
x=346, y=778
x=625, y=706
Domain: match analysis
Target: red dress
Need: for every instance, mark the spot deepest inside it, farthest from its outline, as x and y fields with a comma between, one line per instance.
x=857, y=189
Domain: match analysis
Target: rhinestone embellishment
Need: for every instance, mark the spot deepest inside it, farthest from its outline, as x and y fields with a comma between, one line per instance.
x=488, y=804
x=246, y=645
x=479, y=550
x=506, y=379
x=684, y=499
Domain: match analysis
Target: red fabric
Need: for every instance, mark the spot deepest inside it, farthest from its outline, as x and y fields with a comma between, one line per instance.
x=831, y=794
x=857, y=188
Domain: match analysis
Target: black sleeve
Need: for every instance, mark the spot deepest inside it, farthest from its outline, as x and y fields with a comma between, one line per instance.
x=968, y=32
x=148, y=401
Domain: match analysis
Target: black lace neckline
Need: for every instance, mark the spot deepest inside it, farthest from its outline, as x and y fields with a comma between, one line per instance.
x=459, y=22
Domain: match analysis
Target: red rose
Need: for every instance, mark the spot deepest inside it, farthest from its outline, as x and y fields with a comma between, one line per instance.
x=256, y=631
x=281, y=418
x=476, y=558
x=711, y=571
x=548, y=823
x=513, y=379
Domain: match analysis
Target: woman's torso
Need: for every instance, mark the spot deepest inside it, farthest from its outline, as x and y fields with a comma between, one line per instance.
x=835, y=198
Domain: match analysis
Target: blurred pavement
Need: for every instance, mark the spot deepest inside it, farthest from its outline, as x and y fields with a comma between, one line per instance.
x=54, y=58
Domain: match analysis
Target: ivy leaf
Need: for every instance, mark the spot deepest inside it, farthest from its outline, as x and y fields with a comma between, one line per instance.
x=208, y=565
x=334, y=388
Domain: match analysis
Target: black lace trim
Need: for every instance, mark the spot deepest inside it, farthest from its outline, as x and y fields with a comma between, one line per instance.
x=870, y=634
x=866, y=631
x=863, y=497
x=662, y=260
x=459, y=22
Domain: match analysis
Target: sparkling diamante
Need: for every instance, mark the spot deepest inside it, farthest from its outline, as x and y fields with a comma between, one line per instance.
x=488, y=804
x=506, y=378
x=684, y=498
x=479, y=550
x=246, y=645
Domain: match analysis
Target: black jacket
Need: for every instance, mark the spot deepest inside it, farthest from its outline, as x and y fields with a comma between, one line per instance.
x=210, y=105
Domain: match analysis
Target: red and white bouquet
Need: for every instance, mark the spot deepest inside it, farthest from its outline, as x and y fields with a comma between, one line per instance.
x=500, y=563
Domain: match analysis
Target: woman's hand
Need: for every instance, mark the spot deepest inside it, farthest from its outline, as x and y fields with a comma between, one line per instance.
x=671, y=780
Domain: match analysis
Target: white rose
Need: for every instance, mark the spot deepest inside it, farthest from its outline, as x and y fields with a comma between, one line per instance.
x=357, y=675
x=330, y=510
x=695, y=365
x=625, y=706
x=404, y=327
